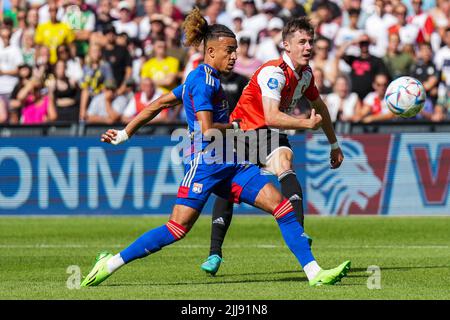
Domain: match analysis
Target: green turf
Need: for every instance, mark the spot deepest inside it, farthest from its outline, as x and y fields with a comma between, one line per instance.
x=413, y=254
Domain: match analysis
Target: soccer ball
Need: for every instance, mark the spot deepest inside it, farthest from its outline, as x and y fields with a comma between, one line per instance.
x=405, y=97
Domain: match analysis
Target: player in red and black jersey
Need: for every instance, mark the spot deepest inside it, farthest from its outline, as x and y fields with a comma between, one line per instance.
x=265, y=106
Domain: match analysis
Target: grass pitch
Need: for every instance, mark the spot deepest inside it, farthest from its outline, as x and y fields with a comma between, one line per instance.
x=412, y=253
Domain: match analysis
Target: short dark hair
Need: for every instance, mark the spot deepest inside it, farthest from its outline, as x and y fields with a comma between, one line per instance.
x=297, y=24
x=109, y=28
x=354, y=12
x=425, y=44
x=245, y=40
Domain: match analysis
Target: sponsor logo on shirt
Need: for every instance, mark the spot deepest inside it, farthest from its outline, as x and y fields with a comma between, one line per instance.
x=272, y=83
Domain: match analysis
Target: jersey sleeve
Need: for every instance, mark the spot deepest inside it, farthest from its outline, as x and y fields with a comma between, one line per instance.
x=271, y=81
x=178, y=92
x=203, y=90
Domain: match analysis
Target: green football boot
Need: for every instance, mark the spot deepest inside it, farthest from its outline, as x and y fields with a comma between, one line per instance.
x=331, y=276
x=212, y=264
x=99, y=272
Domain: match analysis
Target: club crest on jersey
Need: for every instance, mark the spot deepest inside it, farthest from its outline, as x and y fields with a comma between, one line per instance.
x=272, y=83
x=197, y=188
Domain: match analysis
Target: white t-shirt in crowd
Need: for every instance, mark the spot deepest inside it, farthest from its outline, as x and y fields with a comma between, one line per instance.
x=345, y=34
x=333, y=101
x=44, y=14
x=255, y=23
x=377, y=29
x=10, y=59
x=267, y=50
x=130, y=28
x=440, y=56
x=144, y=28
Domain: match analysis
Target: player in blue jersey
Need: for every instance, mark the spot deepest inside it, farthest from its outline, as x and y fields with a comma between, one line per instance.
x=205, y=105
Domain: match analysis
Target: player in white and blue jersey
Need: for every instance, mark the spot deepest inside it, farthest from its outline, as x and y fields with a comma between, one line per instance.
x=205, y=105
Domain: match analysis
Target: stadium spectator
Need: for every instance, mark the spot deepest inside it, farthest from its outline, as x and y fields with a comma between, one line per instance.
x=28, y=47
x=213, y=11
x=237, y=16
x=173, y=36
x=407, y=32
x=350, y=33
x=42, y=62
x=270, y=47
x=118, y=57
x=168, y=9
x=158, y=24
x=151, y=8
x=15, y=105
x=245, y=64
x=148, y=93
x=254, y=21
x=377, y=25
x=363, y=67
x=269, y=9
x=422, y=20
x=10, y=60
x=37, y=106
x=74, y=70
x=106, y=107
x=12, y=12
x=16, y=37
x=125, y=22
x=322, y=86
x=162, y=69
x=82, y=22
x=441, y=18
x=442, y=62
x=322, y=60
x=233, y=84
x=43, y=12
x=291, y=8
x=325, y=26
x=32, y=18
x=103, y=16
x=374, y=106
x=354, y=5
x=95, y=72
x=65, y=94
x=53, y=33
x=425, y=70
x=343, y=105
x=397, y=62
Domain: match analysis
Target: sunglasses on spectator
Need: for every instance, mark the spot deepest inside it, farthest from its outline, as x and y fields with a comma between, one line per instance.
x=381, y=84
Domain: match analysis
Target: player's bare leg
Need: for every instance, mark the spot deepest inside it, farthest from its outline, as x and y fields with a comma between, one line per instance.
x=180, y=222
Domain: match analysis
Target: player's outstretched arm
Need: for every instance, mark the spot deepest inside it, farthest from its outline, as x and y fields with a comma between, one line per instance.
x=336, y=155
x=169, y=100
x=280, y=120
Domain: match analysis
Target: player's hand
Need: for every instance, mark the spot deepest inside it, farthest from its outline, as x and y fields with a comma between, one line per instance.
x=115, y=137
x=336, y=158
x=315, y=120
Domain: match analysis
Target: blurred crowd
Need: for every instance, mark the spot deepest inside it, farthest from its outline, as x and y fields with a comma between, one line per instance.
x=103, y=61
